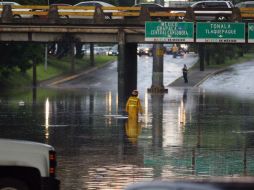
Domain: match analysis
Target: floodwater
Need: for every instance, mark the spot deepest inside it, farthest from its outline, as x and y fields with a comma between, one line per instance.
x=184, y=134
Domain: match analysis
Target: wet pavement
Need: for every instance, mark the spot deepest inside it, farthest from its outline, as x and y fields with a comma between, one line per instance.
x=188, y=133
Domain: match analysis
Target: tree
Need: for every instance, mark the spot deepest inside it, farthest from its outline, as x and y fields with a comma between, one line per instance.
x=19, y=56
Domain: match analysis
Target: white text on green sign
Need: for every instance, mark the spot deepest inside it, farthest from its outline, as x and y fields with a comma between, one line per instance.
x=220, y=32
x=251, y=33
x=169, y=31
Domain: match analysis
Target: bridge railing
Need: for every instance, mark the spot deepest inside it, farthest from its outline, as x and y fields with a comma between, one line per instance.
x=33, y=11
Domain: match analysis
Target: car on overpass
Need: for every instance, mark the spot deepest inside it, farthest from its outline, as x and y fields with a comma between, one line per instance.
x=15, y=10
x=245, y=4
x=108, y=12
x=147, y=5
x=210, y=10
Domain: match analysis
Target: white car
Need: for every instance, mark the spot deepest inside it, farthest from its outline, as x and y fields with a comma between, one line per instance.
x=108, y=12
x=27, y=165
x=15, y=10
x=213, y=14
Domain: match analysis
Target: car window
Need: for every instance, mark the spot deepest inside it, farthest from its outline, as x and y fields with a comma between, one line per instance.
x=216, y=5
x=97, y=5
x=249, y=5
x=86, y=4
x=8, y=3
x=200, y=5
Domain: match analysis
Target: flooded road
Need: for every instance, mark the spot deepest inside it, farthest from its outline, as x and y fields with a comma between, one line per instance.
x=187, y=133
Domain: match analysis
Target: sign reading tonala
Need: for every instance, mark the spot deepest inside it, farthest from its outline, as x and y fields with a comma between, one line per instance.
x=220, y=32
x=156, y=31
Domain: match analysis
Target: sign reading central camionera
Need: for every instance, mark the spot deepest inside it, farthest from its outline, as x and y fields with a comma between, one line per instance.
x=169, y=31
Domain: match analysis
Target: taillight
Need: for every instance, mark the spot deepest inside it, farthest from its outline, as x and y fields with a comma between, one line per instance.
x=52, y=163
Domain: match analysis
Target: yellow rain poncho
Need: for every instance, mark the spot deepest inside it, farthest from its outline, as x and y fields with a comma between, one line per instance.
x=133, y=107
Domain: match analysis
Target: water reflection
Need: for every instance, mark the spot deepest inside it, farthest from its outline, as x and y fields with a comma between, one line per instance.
x=47, y=119
x=132, y=129
x=187, y=133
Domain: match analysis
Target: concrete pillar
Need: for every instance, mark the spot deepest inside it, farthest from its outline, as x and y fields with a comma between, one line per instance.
x=72, y=57
x=127, y=69
x=121, y=70
x=201, y=52
x=157, y=75
x=53, y=15
x=7, y=14
x=131, y=76
x=91, y=54
x=99, y=16
x=34, y=74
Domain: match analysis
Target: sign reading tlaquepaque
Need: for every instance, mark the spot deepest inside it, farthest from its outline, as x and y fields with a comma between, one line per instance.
x=157, y=31
x=220, y=32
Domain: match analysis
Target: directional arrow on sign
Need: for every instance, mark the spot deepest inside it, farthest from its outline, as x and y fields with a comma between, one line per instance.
x=220, y=36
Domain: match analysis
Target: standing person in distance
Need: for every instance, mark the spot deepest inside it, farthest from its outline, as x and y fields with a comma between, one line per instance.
x=185, y=73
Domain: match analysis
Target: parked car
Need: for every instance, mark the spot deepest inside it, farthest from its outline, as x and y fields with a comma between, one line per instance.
x=213, y=14
x=97, y=50
x=16, y=10
x=245, y=4
x=26, y=165
x=145, y=49
x=108, y=13
x=113, y=51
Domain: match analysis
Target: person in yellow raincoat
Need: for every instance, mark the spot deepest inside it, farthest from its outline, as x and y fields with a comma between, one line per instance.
x=133, y=108
x=174, y=50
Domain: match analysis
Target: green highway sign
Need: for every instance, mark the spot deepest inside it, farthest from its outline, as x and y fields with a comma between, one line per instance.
x=220, y=32
x=157, y=31
x=251, y=33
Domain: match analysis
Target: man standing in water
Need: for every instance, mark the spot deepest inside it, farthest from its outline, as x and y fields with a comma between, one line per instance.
x=185, y=73
x=133, y=106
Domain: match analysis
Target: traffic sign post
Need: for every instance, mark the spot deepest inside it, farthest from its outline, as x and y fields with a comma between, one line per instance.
x=156, y=31
x=220, y=32
x=251, y=33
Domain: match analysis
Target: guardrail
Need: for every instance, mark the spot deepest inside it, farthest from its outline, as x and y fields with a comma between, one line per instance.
x=32, y=11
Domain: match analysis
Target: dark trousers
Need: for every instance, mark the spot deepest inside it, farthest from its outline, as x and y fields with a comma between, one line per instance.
x=185, y=78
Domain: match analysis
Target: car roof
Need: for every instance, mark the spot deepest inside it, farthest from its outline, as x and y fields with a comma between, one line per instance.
x=147, y=5
x=218, y=1
x=244, y=3
x=210, y=1
x=61, y=4
x=100, y=2
x=8, y=3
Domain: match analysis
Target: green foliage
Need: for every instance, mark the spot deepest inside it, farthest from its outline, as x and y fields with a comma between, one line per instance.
x=18, y=56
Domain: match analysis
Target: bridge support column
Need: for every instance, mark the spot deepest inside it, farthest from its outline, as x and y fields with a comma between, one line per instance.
x=34, y=74
x=201, y=52
x=127, y=69
x=91, y=54
x=72, y=57
x=157, y=76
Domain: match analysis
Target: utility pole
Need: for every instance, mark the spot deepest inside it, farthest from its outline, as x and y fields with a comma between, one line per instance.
x=158, y=61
